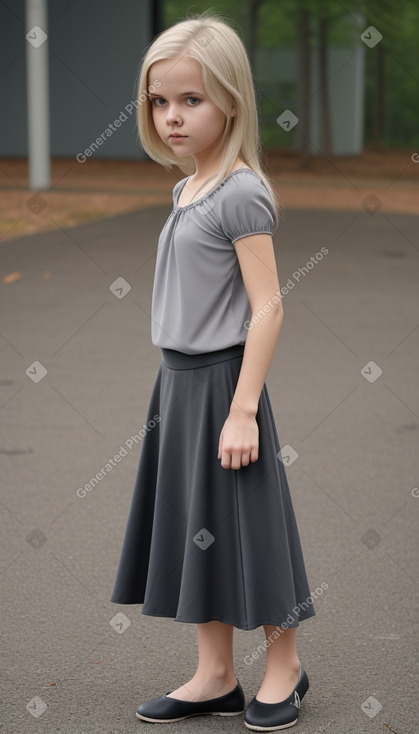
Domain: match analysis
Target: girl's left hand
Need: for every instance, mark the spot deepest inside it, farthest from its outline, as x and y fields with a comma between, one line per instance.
x=239, y=441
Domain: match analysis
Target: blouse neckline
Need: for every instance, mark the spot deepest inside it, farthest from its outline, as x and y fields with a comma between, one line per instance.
x=212, y=191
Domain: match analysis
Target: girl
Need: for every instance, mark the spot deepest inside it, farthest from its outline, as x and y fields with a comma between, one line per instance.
x=211, y=537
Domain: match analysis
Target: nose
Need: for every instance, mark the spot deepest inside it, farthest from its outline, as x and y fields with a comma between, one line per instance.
x=173, y=114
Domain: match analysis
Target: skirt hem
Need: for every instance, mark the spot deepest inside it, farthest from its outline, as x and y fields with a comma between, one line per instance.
x=247, y=627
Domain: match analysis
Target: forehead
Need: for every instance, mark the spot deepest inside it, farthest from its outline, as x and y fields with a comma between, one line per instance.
x=176, y=75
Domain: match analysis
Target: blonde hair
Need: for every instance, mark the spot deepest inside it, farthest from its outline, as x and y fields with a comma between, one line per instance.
x=227, y=80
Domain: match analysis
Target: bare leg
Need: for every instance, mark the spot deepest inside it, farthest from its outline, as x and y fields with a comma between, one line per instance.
x=282, y=665
x=215, y=672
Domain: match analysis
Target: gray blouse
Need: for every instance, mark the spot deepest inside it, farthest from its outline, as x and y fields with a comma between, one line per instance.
x=199, y=301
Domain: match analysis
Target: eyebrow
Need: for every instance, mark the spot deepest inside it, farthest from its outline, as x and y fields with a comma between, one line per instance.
x=183, y=94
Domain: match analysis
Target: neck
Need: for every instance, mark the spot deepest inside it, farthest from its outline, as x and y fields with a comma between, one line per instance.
x=208, y=164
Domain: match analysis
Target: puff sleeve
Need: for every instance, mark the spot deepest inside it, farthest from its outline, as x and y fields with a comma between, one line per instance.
x=246, y=208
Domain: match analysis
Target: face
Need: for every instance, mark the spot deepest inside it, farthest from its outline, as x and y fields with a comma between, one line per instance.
x=180, y=106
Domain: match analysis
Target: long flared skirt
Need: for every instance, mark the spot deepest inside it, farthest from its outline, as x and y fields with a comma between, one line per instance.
x=202, y=542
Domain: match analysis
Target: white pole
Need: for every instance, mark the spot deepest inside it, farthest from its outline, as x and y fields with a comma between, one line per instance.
x=38, y=94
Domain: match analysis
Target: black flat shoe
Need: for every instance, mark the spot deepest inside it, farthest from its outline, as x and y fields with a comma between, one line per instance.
x=164, y=710
x=271, y=716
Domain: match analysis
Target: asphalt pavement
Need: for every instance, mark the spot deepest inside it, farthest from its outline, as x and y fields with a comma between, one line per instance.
x=77, y=369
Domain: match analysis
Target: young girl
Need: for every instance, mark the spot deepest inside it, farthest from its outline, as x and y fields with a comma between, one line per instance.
x=211, y=537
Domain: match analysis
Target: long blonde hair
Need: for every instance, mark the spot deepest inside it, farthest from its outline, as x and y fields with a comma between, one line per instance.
x=227, y=80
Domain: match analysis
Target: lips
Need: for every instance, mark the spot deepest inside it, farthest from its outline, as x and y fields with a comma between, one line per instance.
x=178, y=136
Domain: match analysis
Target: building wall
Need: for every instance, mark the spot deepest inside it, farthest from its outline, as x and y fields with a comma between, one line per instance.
x=95, y=49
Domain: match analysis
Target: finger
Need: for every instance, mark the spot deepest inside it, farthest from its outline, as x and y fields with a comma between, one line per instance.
x=245, y=458
x=225, y=460
x=236, y=459
x=220, y=443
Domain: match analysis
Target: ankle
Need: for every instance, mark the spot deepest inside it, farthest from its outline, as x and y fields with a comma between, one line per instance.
x=285, y=669
x=219, y=675
x=294, y=665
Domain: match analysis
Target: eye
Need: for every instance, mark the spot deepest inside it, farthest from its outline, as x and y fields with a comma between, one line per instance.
x=154, y=101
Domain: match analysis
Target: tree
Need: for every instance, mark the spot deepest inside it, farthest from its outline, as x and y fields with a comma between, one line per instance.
x=323, y=48
x=304, y=83
x=253, y=20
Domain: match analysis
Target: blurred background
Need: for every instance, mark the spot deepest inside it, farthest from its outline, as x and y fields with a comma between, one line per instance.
x=344, y=72
x=81, y=210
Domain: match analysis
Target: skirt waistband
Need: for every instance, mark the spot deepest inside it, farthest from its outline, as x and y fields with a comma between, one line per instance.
x=176, y=360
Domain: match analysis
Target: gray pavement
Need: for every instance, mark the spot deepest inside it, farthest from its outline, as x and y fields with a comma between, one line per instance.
x=67, y=664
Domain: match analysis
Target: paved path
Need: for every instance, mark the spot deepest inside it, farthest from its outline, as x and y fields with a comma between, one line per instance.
x=348, y=316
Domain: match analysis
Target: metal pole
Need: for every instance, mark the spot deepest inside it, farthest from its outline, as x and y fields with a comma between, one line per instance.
x=38, y=94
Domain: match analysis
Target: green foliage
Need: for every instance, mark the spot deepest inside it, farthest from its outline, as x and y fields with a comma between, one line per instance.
x=400, y=31
x=278, y=28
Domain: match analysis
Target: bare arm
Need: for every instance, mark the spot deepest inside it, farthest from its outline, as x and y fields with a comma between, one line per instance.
x=239, y=437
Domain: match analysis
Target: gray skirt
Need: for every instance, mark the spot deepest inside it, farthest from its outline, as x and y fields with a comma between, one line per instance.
x=202, y=542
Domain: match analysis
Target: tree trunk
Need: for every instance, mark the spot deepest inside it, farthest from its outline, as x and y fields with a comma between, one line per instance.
x=325, y=120
x=304, y=85
x=254, y=7
x=379, y=99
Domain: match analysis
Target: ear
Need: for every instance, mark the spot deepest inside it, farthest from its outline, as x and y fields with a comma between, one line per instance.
x=233, y=112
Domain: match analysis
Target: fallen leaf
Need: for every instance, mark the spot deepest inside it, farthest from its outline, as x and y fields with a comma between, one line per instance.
x=12, y=277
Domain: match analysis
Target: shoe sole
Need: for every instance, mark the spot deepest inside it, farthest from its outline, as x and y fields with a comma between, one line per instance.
x=188, y=716
x=270, y=728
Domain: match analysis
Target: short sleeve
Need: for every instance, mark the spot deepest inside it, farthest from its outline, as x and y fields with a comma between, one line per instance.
x=246, y=207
